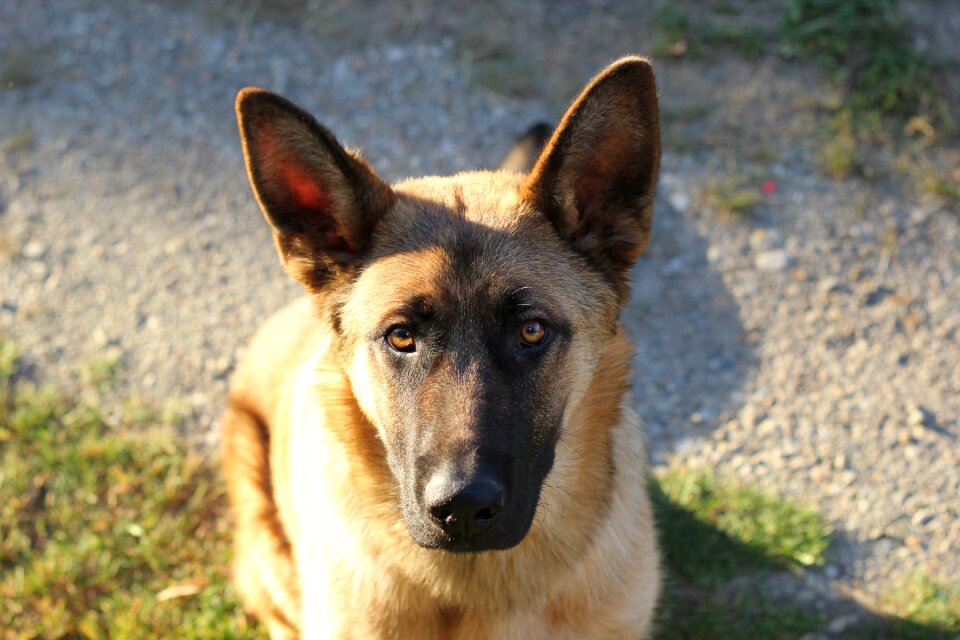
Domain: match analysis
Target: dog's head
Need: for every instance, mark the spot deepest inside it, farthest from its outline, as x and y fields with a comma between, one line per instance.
x=470, y=311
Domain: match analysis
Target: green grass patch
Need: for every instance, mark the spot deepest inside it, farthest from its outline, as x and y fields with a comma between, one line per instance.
x=732, y=195
x=838, y=155
x=932, y=182
x=867, y=48
x=677, y=35
x=713, y=533
x=107, y=529
x=926, y=609
x=695, y=614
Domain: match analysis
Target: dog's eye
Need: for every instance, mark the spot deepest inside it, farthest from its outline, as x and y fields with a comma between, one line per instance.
x=532, y=334
x=401, y=339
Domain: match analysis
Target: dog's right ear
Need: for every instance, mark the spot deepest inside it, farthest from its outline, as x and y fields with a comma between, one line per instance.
x=596, y=179
x=321, y=200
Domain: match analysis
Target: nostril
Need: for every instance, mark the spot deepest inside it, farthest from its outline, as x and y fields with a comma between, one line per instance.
x=485, y=516
x=445, y=517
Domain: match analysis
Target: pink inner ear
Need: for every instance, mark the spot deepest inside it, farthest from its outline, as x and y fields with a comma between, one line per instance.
x=303, y=187
x=296, y=191
x=296, y=185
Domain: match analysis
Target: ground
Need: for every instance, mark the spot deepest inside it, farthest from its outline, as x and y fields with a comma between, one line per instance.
x=797, y=315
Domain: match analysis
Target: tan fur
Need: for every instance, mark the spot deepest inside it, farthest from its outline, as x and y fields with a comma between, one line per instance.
x=321, y=549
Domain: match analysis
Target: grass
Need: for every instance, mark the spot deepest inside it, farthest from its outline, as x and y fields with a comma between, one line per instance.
x=110, y=527
x=925, y=606
x=731, y=195
x=932, y=182
x=107, y=528
x=839, y=152
x=768, y=531
x=19, y=141
x=677, y=35
x=713, y=533
x=866, y=46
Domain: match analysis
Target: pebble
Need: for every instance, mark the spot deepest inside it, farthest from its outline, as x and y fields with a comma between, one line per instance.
x=766, y=239
x=828, y=284
x=773, y=261
x=715, y=255
x=33, y=250
x=918, y=417
x=679, y=200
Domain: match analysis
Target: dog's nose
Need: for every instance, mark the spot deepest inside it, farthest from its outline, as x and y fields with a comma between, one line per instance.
x=463, y=509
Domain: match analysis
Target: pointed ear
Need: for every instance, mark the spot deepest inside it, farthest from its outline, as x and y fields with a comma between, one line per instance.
x=321, y=200
x=597, y=176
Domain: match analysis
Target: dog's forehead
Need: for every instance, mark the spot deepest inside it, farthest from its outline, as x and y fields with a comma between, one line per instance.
x=461, y=240
x=486, y=198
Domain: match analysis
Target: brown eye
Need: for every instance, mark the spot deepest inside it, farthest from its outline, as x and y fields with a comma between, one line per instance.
x=401, y=339
x=532, y=334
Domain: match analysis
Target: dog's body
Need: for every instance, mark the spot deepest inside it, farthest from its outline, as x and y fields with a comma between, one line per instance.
x=439, y=442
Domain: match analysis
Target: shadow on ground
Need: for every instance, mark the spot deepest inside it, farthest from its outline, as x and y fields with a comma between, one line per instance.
x=692, y=357
x=716, y=586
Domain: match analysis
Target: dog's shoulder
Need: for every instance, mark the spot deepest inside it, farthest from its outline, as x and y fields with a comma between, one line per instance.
x=277, y=352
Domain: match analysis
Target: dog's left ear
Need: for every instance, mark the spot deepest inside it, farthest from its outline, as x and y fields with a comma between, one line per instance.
x=596, y=178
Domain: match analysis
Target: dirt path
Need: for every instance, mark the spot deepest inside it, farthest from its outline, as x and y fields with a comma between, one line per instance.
x=811, y=347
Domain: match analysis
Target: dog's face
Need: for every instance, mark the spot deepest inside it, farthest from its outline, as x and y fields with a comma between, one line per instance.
x=470, y=310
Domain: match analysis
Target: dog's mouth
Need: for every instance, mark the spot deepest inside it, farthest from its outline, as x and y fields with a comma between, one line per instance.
x=503, y=531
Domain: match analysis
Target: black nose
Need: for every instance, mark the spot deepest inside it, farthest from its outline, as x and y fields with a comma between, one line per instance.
x=463, y=509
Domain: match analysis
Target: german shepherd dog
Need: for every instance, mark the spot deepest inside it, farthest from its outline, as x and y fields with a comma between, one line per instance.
x=438, y=442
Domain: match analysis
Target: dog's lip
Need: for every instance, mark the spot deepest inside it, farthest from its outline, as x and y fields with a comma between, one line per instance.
x=496, y=538
x=478, y=544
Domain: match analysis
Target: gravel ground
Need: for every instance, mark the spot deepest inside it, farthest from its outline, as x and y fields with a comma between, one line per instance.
x=811, y=348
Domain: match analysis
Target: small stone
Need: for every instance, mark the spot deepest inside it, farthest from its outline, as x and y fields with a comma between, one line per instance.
x=922, y=517
x=679, y=200
x=914, y=542
x=730, y=426
x=715, y=255
x=773, y=261
x=99, y=337
x=749, y=417
x=828, y=285
x=38, y=270
x=766, y=239
x=33, y=250
x=917, y=416
x=172, y=246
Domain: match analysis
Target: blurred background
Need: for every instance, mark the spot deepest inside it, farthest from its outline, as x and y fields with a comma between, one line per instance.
x=797, y=315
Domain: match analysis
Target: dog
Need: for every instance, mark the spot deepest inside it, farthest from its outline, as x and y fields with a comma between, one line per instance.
x=438, y=440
